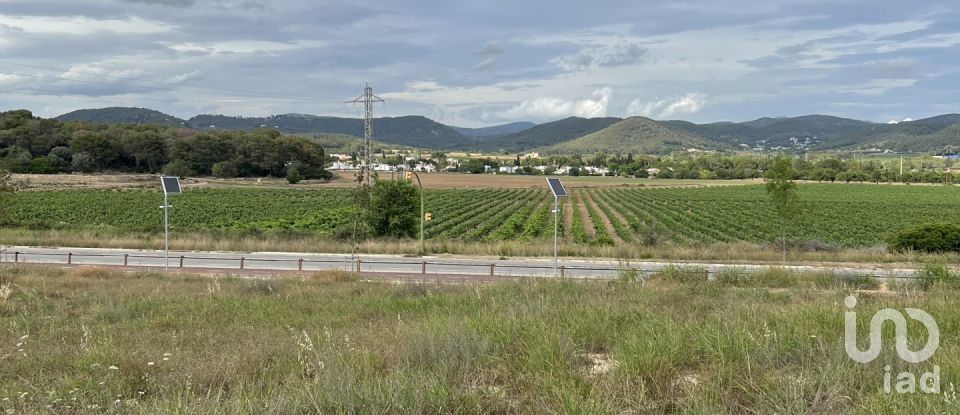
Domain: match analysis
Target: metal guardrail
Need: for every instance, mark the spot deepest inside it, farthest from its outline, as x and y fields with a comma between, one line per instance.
x=357, y=264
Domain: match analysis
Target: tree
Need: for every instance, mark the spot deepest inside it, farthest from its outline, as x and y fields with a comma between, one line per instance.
x=178, y=168
x=224, y=169
x=293, y=174
x=783, y=196
x=7, y=188
x=83, y=162
x=394, y=209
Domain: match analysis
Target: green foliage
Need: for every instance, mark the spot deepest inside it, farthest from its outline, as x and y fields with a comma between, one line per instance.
x=34, y=145
x=103, y=342
x=224, y=169
x=394, y=209
x=179, y=168
x=293, y=174
x=782, y=189
x=545, y=134
x=633, y=135
x=834, y=215
x=943, y=237
x=682, y=275
x=937, y=274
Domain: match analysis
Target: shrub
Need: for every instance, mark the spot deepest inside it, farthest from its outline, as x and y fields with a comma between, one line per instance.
x=682, y=275
x=935, y=273
x=293, y=175
x=394, y=209
x=224, y=169
x=177, y=168
x=928, y=238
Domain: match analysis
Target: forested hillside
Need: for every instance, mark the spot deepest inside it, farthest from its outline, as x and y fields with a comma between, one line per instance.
x=34, y=145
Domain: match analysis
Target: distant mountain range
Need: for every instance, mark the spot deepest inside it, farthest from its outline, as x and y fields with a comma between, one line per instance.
x=584, y=135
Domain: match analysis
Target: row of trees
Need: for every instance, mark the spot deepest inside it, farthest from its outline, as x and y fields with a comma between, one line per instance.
x=726, y=167
x=33, y=145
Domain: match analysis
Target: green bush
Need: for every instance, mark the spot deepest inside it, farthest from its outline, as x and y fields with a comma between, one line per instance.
x=394, y=209
x=682, y=275
x=934, y=273
x=293, y=174
x=928, y=238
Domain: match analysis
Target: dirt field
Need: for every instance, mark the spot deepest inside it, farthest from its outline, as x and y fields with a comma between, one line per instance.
x=345, y=179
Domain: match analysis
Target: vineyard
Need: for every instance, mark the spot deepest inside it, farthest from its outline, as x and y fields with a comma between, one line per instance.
x=846, y=215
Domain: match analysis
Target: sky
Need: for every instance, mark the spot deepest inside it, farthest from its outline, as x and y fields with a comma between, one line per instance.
x=479, y=63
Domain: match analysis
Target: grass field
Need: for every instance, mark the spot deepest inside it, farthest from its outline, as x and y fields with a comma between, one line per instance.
x=840, y=215
x=97, y=341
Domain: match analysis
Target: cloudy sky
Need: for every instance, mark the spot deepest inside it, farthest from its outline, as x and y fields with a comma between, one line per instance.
x=474, y=63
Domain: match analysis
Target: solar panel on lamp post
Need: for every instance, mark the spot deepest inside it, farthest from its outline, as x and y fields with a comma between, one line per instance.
x=558, y=191
x=171, y=186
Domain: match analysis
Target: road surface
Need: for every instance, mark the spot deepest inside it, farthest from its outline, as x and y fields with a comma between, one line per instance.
x=390, y=264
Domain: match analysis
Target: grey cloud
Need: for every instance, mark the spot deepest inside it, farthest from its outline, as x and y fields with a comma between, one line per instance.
x=170, y=3
x=616, y=54
x=490, y=53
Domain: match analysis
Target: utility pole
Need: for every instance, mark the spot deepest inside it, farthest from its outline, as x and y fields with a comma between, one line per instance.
x=367, y=99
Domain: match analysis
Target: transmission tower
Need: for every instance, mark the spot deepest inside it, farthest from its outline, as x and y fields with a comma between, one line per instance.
x=367, y=99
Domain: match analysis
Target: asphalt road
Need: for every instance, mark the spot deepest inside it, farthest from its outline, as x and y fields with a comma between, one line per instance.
x=387, y=264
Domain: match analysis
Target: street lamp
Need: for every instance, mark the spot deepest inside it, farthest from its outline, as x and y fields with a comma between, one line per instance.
x=558, y=191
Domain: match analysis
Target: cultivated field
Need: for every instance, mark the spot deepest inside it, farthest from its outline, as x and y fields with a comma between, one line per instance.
x=833, y=214
x=346, y=180
x=96, y=341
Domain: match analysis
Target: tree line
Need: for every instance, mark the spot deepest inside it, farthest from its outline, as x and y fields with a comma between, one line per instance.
x=729, y=167
x=30, y=144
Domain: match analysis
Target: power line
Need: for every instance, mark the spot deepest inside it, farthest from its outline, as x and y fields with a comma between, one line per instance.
x=368, y=99
x=168, y=85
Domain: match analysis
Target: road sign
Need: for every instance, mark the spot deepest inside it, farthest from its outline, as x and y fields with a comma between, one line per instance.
x=171, y=185
x=556, y=187
x=427, y=216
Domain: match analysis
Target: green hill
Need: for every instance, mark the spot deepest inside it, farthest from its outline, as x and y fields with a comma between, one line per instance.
x=414, y=131
x=773, y=132
x=926, y=135
x=122, y=115
x=546, y=134
x=495, y=130
x=635, y=135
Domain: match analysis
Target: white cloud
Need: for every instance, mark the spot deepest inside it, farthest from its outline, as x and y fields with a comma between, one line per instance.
x=81, y=25
x=877, y=86
x=908, y=119
x=239, y=46
x=659, y=108
x=623, y=52
x=553, y=107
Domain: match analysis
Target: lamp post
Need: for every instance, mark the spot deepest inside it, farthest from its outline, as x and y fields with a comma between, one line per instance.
x=171, y=186
x=558, y=191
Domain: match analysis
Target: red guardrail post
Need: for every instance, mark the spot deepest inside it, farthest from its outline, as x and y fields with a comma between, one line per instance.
x=126, y=257
x=181, y=261
x=69, y=258
x=300, y=264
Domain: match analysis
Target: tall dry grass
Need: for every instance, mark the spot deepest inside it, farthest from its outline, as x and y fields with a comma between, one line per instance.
x=98, y=341
x=260, y=242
